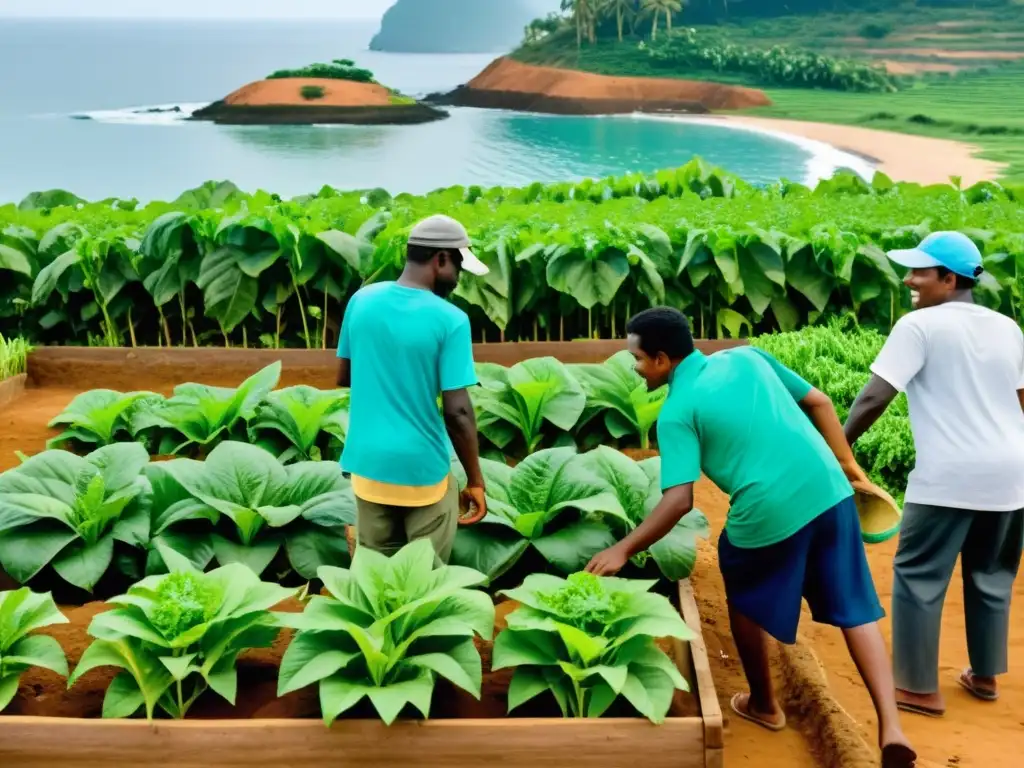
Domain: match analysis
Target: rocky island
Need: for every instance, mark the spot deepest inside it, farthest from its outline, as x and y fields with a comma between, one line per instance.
x=335, y=93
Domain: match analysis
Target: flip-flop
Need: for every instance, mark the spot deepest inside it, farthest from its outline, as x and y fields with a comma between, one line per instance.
x=898, y=756
x=917, y=709
x=756, y=720
x=966, y=681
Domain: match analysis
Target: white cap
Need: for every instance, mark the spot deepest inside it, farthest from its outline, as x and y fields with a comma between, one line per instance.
x=445, y=232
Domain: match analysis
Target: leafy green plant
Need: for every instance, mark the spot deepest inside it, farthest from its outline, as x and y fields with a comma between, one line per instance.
x=21, y=612
x=311, y=92
x=301, y=423
x=637, y=486
x=177, y=635
x=97, y=418
x=616, y=391
x=569, y=259
x=13, y=352
x=515, y=402
x=386, y=629
x=551, y=502
x=198, y=416
x=587, y=640
x=72, y=513
x=261, y=508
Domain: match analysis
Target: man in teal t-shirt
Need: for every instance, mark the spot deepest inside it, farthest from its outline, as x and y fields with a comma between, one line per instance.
x=402, y=347
x=773, y=443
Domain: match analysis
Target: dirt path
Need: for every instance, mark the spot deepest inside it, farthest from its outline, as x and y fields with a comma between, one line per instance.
x=972, y=735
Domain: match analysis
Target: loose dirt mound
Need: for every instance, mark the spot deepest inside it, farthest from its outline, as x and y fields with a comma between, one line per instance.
x=288, y=91
x=519, y=83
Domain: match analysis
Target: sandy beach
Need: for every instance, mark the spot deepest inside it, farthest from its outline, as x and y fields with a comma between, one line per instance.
x=900, y=156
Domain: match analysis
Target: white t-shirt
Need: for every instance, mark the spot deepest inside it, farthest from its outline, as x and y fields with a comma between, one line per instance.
x=961, y=366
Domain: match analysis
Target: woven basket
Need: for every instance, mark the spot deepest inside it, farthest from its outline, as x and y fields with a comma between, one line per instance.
x=880, y=515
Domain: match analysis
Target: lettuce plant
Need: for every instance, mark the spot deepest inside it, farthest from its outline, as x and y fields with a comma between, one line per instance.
x=197, y=417
x=552, y=502
x=587, y=640
x=21, y=612
x=614, y=390
x=387, y=627
x=515, y=402
x=301, y=424
x=70, y=512
x=637, y=486
x=177, y=635
x=97, y=418
x=260, y=507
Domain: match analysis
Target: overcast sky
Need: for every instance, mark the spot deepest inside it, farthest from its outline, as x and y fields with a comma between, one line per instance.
x=197, y=8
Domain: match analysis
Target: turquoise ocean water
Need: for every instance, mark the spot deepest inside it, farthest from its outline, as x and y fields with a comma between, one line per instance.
x=58, y=70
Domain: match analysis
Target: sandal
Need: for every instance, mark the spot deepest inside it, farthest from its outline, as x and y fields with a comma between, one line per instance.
x=966, y=681
x=898, y=756
x=734, y=703
x=917, y=709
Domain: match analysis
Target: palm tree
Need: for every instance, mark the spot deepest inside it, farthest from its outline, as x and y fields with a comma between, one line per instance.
x=621, y=9
x=657, y=7
x=585, y=18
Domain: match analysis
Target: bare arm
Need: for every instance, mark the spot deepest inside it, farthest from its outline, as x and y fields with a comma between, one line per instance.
x=460, y=421
x=822, y=413
x=344, y=372
x=868, y=407
x=676, y=502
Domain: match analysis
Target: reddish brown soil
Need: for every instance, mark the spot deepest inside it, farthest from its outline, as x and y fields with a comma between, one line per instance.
x=972, y=734
x=23, y=423
x=287, y=91
x=505, y=75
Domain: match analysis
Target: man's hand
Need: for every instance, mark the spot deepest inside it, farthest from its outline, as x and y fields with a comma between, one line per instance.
x=475, y=503
x=856, y=475
x=609, y=562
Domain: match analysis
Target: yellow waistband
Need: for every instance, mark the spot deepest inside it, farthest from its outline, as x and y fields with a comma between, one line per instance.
x=398, y=495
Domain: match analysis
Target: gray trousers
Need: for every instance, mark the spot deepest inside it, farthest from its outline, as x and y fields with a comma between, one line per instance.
x=931, y=538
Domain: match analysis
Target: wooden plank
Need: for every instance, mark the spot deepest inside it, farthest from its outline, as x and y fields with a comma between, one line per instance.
x=159, y=369
x=710, y=709
x=35, y=742
x=12, y=388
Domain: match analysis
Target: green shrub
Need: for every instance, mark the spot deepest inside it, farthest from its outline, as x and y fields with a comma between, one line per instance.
x=310, y=92
x=875, y=31
x=339, y=69
x=688, y=49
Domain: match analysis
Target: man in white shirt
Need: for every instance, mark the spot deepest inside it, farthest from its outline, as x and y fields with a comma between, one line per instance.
x=962, y=367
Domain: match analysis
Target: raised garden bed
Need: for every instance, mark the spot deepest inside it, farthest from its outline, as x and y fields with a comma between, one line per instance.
x=127, y=368
x=690, y=738
x=50, y=725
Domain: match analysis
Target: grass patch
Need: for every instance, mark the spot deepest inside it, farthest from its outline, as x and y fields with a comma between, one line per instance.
x=13, y=357
x=311, y=92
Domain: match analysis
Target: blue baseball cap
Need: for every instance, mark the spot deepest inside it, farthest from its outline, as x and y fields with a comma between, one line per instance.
x=953, y=250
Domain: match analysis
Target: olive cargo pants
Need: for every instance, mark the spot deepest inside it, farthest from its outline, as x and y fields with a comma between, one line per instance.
x=386, y=529
x=931, y=539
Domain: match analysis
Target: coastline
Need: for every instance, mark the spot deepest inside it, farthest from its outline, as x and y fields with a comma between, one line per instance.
x=901, y=156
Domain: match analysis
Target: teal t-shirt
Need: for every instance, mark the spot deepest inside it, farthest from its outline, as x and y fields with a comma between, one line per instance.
x=735, y=415
x=407, y=346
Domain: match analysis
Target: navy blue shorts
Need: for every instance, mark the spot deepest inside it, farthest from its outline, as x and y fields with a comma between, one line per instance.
x=823, y=562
